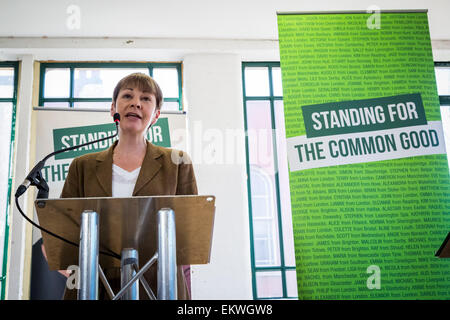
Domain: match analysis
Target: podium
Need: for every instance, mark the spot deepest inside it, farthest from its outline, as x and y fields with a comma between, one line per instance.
x=127, y=233
x=444, y=250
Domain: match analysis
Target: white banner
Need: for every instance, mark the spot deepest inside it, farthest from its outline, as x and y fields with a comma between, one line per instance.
x=307, y=153
x=55, y=171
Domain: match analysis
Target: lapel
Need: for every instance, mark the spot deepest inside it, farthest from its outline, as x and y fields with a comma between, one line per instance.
x=104, y=169
x=150, y=166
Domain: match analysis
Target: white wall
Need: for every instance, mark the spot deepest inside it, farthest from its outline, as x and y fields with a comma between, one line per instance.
x=18, y=259
x=213, y=90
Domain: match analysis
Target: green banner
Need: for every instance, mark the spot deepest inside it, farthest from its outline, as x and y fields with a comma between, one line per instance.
x=369, y=176
x=67, y=137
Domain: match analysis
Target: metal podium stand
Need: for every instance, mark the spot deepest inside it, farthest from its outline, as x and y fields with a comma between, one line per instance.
x=167, y=230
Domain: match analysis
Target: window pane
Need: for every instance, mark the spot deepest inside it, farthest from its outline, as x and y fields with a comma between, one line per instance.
x=266, y=243
x=6, y=82
x=443, y=81
x=170, y=106
x=283, y=178
x=95, y=105
x=262, y=183
x=291, y=283
x=257, y=82
x=259, y=129
x=57, y=83
x=100, y=82
x=167, y=78
x=276, y=79
x=263, y=257
x=262, y=206
x=56, y=104
x=5, y=147
x=268, y=284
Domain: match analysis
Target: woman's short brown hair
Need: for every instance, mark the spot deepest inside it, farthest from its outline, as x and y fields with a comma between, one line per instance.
x=144, y=83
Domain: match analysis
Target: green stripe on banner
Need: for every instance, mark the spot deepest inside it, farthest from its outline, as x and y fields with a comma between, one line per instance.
x=370, y=202
x=158, y=134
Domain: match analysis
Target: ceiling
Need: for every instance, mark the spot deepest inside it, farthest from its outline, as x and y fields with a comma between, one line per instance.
x=198, y=19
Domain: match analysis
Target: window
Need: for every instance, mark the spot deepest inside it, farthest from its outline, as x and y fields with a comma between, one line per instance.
x=442, y=70
x=8, y=101
x=272, y=245
x=90, y=85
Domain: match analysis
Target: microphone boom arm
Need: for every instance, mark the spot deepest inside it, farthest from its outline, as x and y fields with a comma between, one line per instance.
x=34, y=178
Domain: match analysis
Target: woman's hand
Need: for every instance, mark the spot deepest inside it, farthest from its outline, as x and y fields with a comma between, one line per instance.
x=65, y=273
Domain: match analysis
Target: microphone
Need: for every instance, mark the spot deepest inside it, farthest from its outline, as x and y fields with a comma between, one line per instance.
x=34, y=178
x=116, y=119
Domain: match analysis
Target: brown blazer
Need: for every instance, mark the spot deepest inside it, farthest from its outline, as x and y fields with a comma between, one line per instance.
x=164, y=171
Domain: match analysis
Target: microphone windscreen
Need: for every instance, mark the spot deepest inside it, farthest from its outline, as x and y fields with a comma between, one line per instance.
x=116, y=117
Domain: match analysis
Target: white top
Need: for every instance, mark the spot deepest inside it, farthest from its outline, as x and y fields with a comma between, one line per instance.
x=123, y=182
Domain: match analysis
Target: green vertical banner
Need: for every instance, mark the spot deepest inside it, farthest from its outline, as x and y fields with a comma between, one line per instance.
x=369, y=176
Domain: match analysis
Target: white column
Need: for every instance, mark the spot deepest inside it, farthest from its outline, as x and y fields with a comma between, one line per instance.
x=216, y=144
x=17, y=257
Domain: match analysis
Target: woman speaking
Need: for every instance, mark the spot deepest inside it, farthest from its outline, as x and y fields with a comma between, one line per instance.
x=133, y=166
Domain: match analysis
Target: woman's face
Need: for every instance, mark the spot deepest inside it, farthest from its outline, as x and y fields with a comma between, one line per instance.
x=137, y=110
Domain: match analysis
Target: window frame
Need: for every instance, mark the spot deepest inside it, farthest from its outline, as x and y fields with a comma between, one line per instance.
x=443, y=100
x=283, y=268
x=104, y=65
x=13, y=100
